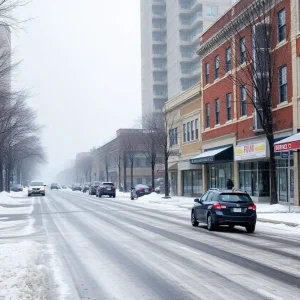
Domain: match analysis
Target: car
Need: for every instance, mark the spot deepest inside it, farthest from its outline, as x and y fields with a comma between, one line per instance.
x=36, y=188
x=140, y=190
x=54, y=186
x=16, y=187
x=64, y=187
x=76, y=187
x=106, y=188
x=224, y=207
x=86, y=187
x=93, y=187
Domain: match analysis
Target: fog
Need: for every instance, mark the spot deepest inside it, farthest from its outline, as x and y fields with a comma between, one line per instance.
x=81, y=61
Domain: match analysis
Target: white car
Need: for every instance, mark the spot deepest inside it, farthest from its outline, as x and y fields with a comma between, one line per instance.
x=36, y=188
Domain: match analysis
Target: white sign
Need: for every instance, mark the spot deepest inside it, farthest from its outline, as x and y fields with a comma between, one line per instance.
x=250, y=151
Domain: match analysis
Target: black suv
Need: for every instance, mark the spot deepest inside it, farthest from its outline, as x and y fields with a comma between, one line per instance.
x=54, y=186
x=224, y=207
x=106, y=188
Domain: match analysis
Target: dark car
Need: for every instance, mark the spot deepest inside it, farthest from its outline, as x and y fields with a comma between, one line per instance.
x=140, y=190
x=17, y=187
x=54, y=186
x=106, y=188
x=93, y=187
x=64, y=187
x=86, y=187
x=76, y=187
x=224, y=207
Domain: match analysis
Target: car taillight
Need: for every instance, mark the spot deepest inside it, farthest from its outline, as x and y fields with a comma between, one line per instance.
x=113, y=187
x=252, y=207
x=218, y=206
x=102, y=187
x=141, y=190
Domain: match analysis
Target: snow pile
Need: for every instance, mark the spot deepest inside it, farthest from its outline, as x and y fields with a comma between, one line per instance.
x=15, y=203
x=275, y=208
x=282, y=217
x=25, y=273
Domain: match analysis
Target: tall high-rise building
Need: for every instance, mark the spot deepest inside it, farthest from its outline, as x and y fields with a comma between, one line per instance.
x=170, y=31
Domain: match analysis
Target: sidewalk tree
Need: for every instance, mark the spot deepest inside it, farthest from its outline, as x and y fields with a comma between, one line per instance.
x=255, y=64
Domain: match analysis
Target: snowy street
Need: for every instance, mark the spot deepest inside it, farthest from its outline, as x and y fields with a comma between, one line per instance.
x=105, y=248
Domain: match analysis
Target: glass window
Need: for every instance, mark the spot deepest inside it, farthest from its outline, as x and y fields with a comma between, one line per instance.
x=281, y=25
x=228, y=59
x=192, y=131
x=206, y=73
x=207, y=112
x=217, y=108
x=188, y=131
x=282, y=80
x=184, y=133
x=197, y=128
x=228, y=106
x=192, y=182
x=209, y=197
x=242, y=50
x=243, y=101
x=211, y=11
x=218, y=174
x=217, y=66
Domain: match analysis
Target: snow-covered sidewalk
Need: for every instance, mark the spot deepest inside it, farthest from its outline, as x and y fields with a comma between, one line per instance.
x=29, y=269
x=274, y=213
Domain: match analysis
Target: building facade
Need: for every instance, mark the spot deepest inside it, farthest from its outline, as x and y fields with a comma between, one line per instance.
x=234, y=145
x=170, y=32
x=183, y=114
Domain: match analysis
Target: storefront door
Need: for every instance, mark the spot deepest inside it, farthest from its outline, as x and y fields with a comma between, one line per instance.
x=174, y=176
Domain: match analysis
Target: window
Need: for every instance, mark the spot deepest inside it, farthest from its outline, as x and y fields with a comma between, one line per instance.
x=197, y=128
x=188, y=131
x=217, y=108
x=281, y=23
x=217, y=66
x=228, y=59
x=242, y=51
x=192, y=131
x=207, y=112
x=282, y=78
x=228, y=107
x=211, y=11
x=184, y=133
x=206, y=73
x=173, y=136
x=243, y=101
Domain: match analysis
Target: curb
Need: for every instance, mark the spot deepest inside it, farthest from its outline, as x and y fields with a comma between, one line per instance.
x=278, y=222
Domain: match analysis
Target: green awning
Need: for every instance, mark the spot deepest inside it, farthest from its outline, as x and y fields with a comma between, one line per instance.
x=214, y=155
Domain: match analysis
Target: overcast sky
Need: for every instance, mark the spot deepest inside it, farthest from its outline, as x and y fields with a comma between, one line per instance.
x=81, y=60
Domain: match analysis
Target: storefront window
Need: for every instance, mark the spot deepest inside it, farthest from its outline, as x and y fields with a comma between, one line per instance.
x=192, y=182
x=282, y=179
x=254, y=178
x=218, y=174
x=174, y=183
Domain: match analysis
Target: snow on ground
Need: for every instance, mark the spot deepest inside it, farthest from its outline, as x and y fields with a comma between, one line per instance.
x=25, y=272
x=277, y=212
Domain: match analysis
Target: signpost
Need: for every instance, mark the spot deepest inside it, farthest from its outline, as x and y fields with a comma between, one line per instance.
x=289, y=180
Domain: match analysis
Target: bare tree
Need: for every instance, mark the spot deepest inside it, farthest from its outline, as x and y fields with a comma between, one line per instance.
x=116, y=159
x=255, y=69
x=158, y=125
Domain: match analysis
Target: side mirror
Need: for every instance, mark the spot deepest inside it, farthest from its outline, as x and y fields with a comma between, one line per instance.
x=45, y=185
x=197, y=200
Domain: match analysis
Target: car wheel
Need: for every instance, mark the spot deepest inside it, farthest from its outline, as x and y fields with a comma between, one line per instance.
x=132, y=198
x=210, y=225
x=29, y=195
x=100, y=195
x=44, y=194
x=231, y=226
x=114, y=196
x=194, y=222
x=250, y=228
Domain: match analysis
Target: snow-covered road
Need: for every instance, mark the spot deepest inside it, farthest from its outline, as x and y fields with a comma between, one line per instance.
x=124, y=250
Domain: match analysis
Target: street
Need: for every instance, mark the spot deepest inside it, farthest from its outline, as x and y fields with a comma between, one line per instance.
x=121, y=249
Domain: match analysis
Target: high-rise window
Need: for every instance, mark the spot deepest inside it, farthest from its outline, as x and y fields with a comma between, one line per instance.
x=197, y=128
x=206, y=73
x=228, y=106
x=211, y=11
x=282, y=81
x=207, y=115
x=242, y=50
x=217, y=66
x=243, y=101
x=281, y=23
x=217, y=110
x=228, y=59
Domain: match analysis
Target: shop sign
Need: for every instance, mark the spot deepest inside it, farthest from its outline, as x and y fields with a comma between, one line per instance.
x=287, y=146
x=250, y=151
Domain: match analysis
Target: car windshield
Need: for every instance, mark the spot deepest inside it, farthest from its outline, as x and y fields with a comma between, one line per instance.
x=235, y=198
x=17, y=185
x=36, y=183
x=108, y=184
x=96, y=183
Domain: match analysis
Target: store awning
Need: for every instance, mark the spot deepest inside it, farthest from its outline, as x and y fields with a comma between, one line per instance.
x=290, y=143
x=214, y=155
x=173, y=167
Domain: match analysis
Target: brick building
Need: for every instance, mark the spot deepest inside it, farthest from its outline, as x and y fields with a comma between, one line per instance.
x=234, y=144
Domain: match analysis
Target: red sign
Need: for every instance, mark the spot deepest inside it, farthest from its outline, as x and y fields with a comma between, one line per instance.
x=160, y=171
x=287, y=146
x=249, y=148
